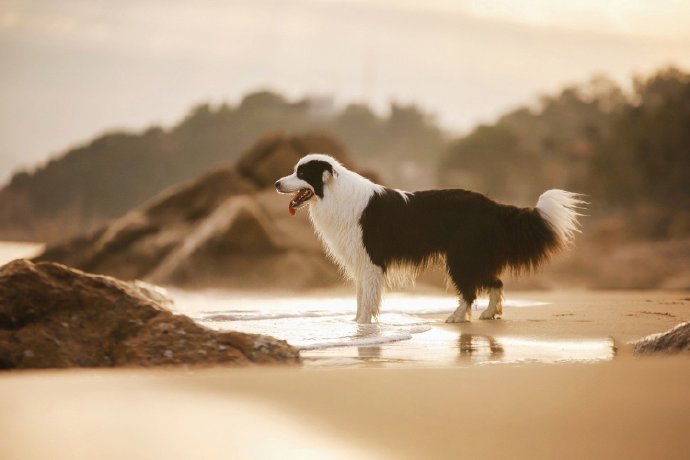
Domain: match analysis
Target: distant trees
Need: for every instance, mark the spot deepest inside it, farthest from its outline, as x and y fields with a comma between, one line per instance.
x=404, y=147
x=532, y=148
x=629, y=152
x=103, y=179
x=643, y=163
x=363, y=129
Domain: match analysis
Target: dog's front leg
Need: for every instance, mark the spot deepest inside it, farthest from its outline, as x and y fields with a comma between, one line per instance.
x=360, y=301
x=369, y=287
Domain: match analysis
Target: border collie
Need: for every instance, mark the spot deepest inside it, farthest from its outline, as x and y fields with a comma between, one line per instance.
x=378, y=235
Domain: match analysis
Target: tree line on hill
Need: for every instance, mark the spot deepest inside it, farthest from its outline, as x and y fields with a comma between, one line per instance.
x=628, y=150
x=101, y=180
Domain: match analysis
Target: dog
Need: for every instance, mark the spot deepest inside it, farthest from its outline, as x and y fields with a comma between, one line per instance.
x=379, y=235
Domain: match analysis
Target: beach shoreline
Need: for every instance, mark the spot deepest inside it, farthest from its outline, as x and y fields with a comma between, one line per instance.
x=623, y=406
x=561, y=326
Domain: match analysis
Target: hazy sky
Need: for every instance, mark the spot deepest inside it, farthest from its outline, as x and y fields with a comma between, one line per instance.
x=72, y=69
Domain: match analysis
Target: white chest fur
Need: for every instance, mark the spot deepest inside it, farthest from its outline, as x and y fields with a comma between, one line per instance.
x=336, y=219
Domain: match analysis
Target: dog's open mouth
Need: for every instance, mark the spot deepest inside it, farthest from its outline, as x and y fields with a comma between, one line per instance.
x=301, y=197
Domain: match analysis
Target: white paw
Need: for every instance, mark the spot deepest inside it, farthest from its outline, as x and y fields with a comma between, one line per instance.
x=488, y=314
x=457, y=319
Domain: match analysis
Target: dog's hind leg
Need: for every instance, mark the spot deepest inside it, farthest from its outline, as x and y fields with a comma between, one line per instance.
x=369, y=288
x=495, y=307
x=467, y=290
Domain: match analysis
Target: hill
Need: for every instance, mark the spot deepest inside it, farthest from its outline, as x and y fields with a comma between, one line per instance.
x=82, y=189
x=627, y=150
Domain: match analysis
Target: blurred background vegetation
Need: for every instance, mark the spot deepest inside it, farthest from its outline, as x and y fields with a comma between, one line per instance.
x=630, y=153
x=627, y=150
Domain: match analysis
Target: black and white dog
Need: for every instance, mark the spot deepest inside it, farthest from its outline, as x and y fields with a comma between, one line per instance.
x=376, y=234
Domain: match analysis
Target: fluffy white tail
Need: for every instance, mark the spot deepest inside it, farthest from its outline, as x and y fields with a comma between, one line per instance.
x=560, y=209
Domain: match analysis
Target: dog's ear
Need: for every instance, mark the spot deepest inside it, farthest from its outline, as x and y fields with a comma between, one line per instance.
x=328, y=174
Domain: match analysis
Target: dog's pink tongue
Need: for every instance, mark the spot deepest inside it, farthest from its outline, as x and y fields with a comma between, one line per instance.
x=291, y=210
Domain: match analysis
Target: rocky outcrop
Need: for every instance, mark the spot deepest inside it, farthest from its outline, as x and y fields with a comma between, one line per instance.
x=676, y=340
x=53, y=316
x=226, y=229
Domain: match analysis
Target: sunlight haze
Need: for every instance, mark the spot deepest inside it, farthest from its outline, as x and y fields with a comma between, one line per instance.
x=73, y=69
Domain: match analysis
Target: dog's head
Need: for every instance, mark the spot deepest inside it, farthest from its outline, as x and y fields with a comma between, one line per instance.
x=311, y=179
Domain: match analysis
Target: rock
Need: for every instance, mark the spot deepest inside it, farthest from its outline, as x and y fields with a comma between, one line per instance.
x=226, y=229
x=676, y=340
x=239, y=245
x=54, y=316
x=134, y=245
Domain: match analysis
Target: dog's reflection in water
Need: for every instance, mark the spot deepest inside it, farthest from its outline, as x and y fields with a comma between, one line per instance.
x=369, y=352
x=471, y=344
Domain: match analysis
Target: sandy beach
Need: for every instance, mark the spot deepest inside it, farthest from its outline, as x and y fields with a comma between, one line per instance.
x=629, y=408
x=618, y=407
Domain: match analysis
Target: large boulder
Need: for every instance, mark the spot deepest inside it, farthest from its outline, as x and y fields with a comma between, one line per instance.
x=676, y=340
x=226, y=229
x=133, y=245
x=240, y=245
x=54, y=316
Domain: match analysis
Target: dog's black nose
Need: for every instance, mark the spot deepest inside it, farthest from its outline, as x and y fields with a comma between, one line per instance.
x=277, y=184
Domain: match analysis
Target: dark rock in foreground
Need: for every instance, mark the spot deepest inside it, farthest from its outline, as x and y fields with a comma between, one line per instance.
x=54, y=316
x=674, y=341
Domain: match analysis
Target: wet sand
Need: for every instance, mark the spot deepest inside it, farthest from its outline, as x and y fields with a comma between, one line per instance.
x=624, y=407
x=620, y=315
x=570, y=326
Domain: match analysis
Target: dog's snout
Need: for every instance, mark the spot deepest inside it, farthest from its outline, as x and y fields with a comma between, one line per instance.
x=277, y=184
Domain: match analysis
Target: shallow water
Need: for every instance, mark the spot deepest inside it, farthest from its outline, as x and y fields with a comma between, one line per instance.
x=409, y=331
